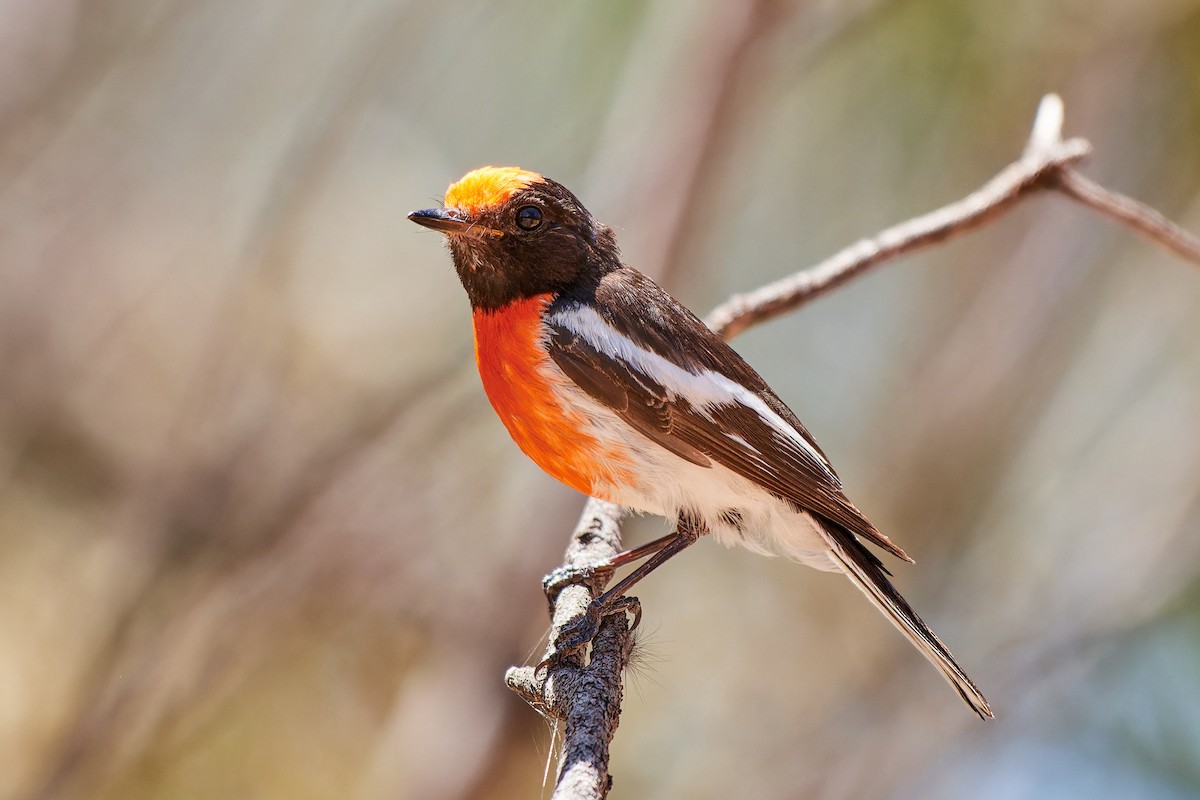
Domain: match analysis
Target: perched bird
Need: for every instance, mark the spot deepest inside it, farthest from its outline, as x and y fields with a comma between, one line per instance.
x=617, y=390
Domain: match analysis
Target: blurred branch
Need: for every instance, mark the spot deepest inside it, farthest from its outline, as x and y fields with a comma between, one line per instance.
x=715, y=116
x=588, y=696
x=1140, y=217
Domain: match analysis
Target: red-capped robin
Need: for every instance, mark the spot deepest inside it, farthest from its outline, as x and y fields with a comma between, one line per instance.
x=617, y=390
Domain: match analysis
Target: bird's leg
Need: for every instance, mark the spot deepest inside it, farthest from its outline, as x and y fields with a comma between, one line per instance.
x=565, y=576
x=583, y=629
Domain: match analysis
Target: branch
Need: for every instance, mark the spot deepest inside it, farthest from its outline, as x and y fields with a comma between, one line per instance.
x=995, y=197
x=1046, y=164
x=588, y=697
x=1140, y=217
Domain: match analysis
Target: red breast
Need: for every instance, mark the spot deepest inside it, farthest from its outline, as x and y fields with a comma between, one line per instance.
x=517, y=376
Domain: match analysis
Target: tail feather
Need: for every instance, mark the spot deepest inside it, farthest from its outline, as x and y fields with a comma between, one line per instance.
x=868, y=574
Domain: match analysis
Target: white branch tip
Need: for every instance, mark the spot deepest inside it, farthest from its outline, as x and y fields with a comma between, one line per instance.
x=1047, y=126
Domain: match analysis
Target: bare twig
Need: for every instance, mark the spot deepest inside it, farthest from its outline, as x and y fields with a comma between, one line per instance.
x=1046, y=155
x=1046, y=164
x=588, y=696
x=1140, y=217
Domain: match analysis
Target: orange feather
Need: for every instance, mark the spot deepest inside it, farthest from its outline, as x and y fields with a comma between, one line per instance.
x=488, y=187
x=513, y=365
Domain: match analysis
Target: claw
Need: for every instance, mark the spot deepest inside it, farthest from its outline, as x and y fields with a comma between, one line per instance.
x=580, y=631
x=628, y=605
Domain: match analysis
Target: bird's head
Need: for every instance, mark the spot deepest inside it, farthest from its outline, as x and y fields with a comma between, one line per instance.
x=514, y=234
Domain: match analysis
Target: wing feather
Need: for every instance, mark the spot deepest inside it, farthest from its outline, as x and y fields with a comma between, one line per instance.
x=747, y=434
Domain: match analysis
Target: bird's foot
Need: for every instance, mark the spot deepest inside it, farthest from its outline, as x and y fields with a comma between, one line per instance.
x=579, y=632
x=565, y=576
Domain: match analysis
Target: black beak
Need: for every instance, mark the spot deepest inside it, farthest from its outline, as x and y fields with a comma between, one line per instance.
x=450, y=221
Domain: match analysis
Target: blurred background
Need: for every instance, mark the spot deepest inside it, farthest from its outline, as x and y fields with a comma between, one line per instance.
x=261, y=535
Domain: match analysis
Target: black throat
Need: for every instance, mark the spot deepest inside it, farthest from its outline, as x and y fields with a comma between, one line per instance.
x=497, y=271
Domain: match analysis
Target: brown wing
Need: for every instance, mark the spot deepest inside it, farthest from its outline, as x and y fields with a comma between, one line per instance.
x=766, y=449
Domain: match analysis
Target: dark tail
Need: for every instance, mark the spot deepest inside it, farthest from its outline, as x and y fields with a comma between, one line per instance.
x=868, y=574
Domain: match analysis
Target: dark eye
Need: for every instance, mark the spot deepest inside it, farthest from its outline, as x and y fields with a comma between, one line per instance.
x=529, y=217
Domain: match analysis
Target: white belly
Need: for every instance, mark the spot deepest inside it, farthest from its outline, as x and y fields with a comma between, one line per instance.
x=735, y=510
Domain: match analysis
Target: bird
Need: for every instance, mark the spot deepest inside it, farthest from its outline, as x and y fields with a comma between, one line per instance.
x=616, y=389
